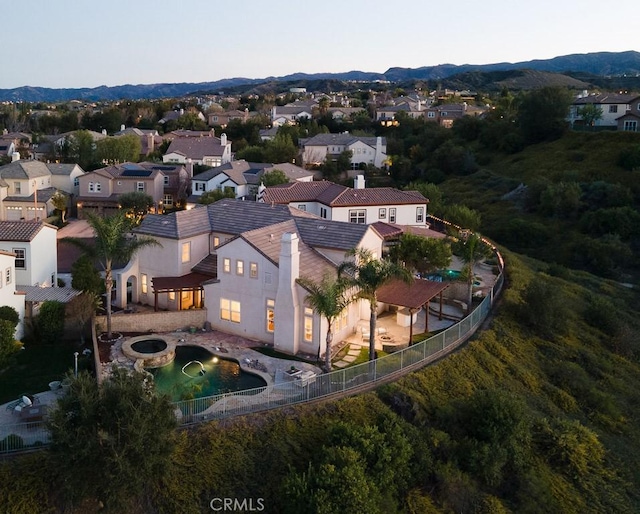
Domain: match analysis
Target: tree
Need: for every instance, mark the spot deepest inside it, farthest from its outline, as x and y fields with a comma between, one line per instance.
x=60, y=202
x=81, y=309
x=82, y=149
x=8, y=344
x=471, y=249
x=369, y=274
x=217, y=194
x=542, y=114
x=109, y=441
x=8, y=313
x=280, y=149
x=422, y=254
x=327, y=298
x=49, y=323
x=590, y=113
x=274, y=177
x=432, y=193
x=113, y=243
x=136, y=205
x=113, y=150
x=85, y=276
x=343, y=162
x=463, y=216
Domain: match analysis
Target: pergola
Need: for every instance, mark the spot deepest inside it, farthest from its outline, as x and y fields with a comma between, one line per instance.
x=191, y=282
x=413, y=296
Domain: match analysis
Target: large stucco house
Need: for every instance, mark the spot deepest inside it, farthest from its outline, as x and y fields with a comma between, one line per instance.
x=364, y=150
x=358, y=205
x=207, y=150
x=240, y=260
x=9, y=295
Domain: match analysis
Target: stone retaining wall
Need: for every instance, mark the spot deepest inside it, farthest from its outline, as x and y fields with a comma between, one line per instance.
x=164, y=321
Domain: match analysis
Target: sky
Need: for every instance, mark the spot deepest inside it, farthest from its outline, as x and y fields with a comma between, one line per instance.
x=88, y=43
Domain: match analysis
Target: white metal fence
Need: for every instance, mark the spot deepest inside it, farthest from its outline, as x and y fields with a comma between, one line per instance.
x=351, y=380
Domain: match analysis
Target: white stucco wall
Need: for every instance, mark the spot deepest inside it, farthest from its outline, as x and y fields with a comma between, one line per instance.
x=41, y=258
x=8, y=294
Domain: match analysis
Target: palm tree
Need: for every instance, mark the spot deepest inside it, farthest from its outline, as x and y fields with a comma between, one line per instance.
x=471, y=250
x=368, y=274
x=327, y=298
x=113, y=243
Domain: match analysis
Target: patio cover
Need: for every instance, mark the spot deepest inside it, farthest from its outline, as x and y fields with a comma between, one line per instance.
x=189, y=281
x=44, y=294
x=412, y=296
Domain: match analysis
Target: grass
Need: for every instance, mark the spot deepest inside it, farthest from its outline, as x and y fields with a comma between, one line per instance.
x=36, y=366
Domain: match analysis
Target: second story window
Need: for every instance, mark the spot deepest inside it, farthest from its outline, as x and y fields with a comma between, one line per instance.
x=166, y=181
x=186, y=252
x=140, y=186
x=253, y=270
x=392, y=215
x=239, y=267
x=226, y=265
x=7, y=276
x=358, y=216
x=613, y=108
x=17, y=188
x=21, y=262
x=143, y=283
x=419, y=214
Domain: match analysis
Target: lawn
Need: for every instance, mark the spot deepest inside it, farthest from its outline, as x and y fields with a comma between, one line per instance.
x=36, y=366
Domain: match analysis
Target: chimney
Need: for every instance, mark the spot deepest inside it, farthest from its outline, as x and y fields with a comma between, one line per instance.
x=181, y=112
x=104, y=132
x=190, y=167
x=286, y=335
x=15, y=156
x=223, y=139
x=151, y=142
x=358, y=183
x=122, y=127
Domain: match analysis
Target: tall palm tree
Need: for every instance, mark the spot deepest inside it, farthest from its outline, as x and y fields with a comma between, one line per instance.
x=368, y=274
x=113, y=243
x=328, y=298
x=471, y=250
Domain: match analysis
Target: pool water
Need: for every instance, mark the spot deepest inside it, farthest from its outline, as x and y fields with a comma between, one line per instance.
x=444, y=275
x=196, y=373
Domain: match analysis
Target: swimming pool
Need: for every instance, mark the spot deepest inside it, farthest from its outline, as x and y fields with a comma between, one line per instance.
x=195, y=373
x=444, y=275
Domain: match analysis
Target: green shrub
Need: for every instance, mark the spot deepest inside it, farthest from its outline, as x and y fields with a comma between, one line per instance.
x=11, y=442
x=10, y=314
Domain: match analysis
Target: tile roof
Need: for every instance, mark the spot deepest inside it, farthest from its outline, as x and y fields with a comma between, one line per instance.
x=24, y=170
x=196, y=147
x=188, y=281
x=267, y=240
x=44, y=195
x=62, y=169
x=330, y=234
x=335, y=195
x=605, y=98
x=386, y=230
x=44, y=294
x=177, y=225
x=243, y=172
x=21, y=230
x=342, y=139
x=207, y=266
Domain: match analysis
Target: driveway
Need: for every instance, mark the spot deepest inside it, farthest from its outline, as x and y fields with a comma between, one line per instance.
x=76, y=228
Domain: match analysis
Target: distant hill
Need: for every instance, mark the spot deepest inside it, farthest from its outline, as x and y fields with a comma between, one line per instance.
x=598, y=65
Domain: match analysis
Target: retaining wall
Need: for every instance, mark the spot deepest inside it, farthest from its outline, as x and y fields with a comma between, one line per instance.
x=164, y=321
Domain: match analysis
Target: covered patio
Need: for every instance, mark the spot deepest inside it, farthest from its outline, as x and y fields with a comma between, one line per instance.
x=186, y=290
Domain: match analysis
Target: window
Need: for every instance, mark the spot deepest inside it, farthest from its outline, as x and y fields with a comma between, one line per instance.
x=253, y=269
x=172, y=296
x=21, y=262
x=17, y=188
x=140, y=187
x=216, y=241
x=186, y=252
x=302, y=207
x=308, y=324
x=382, y=214
x=392, y=215
x=229, y=310
x=239, y=267
x=358, y=216
x=7, y=275
x=631, y=126
x=271, y=305
x=143, y=283
x=419, y=214
x=613, y=108
x=323, y=212
x=166, y=181
x=200, y=186
x=226, y=265
x=431, y=114
x=168, y=200
x=76, y=182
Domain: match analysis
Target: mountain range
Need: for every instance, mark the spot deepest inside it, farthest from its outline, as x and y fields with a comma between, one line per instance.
x=582, y=68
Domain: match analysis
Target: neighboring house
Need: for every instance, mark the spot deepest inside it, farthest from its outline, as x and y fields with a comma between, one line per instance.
x=290, y=114
x=243, y=177
x=100, y=189
x=341, y=113
x=35, y=248
x=66, y=177
x=7, y=149
x=208, y=150
x=50, y=146
x=444, y=115
x=175, y=115
x=222, y=118
x=241, y=261
x=358, y=205
x=8, y=294
x=268, y=134
x=149, y=138
x=364, y=150
x=612, y=107
x=26, y=188
x=630, y=121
